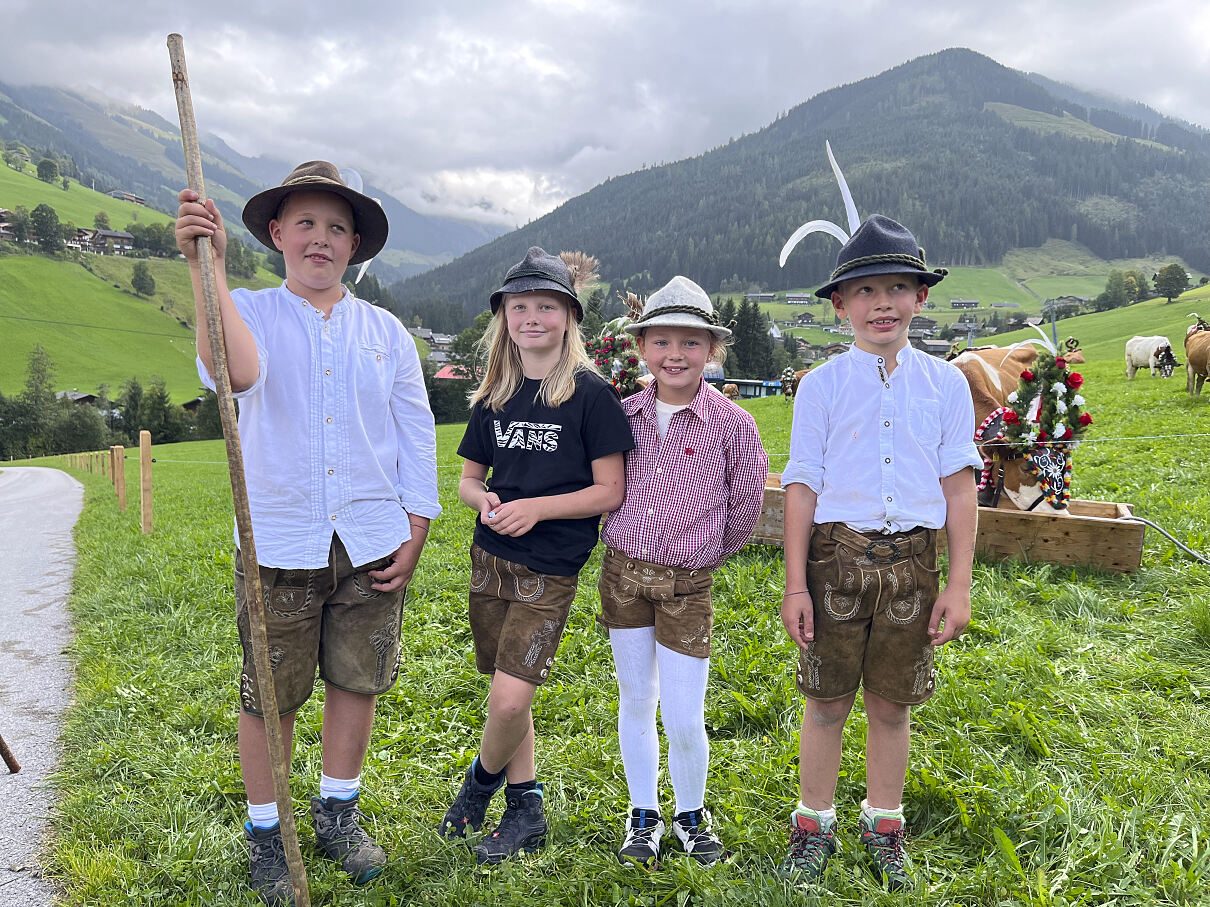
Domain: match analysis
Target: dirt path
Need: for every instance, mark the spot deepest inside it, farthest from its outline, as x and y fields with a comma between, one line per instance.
x=38, y=508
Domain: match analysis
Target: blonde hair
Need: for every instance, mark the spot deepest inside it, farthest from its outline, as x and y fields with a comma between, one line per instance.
x=505, y=373
x=718, y=346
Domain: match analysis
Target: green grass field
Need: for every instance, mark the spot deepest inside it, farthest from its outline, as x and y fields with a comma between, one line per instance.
x=1062, y=762
x=78, y=204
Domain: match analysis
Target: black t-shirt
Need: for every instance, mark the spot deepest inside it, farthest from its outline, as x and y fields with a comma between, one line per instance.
x=534, y=450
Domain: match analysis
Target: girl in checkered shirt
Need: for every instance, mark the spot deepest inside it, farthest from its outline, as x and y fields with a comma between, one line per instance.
x=694, y=486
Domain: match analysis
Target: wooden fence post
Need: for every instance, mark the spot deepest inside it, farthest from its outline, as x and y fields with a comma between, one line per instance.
x=145, y=477
x=119, y=476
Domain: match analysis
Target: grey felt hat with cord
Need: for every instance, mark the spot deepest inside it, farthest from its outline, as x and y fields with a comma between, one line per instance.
x=880, y=246
x=539, y=270
x=680, y=303
x=369, y=220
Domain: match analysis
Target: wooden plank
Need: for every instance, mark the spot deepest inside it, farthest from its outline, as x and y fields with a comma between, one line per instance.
x=1094, y=533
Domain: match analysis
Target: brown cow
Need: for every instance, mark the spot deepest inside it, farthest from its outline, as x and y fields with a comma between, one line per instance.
x=1197, y=355
x=731, y=391
x=993, y=373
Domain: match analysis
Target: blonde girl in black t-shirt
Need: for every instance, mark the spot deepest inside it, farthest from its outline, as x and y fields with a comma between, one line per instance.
x=551, y=432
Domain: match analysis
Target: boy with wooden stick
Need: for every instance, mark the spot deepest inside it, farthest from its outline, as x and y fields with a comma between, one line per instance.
x=340, y=455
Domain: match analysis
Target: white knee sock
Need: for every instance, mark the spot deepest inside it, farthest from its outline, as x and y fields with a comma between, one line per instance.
x=682, y=710
x=638, y=695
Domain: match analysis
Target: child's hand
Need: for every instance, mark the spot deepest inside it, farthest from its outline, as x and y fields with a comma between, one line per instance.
x=195, y=218
x=515, y=517
x=398, y=573
x=798, y=617
x=950, y=616
x=491, y=501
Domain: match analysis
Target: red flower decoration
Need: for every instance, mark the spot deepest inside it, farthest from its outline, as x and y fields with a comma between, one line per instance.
x=1074, y=380
x=1060, y=362
x=632, y=360
x=1067, y=435
x=1042, y=434
x=1085, y=419
x=1027, y=375
x=1011, y=418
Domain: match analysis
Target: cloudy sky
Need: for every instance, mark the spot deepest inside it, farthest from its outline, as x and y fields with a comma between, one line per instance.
x=499, y=111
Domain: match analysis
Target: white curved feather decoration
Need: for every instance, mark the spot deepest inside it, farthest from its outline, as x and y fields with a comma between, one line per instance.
x=850, y=206
x=811, y=226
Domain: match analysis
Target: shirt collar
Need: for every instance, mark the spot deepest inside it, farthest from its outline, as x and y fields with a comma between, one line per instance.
x=346, y=296
x=872, y=358
x=644, y=402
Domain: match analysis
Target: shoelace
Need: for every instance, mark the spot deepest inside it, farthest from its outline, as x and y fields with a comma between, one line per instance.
x=807, y=847
x=641, y=835
x=697, y=832
x=889, y=846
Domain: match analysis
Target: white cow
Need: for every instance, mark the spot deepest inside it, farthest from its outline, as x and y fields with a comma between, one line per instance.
x=1150, y=352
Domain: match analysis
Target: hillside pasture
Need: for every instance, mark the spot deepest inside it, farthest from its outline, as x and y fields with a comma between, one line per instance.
x=1062, y=762
x=78, y=204
x=94, y=332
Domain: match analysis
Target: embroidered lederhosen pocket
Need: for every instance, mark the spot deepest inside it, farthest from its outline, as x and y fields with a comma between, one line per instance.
x=641, y=579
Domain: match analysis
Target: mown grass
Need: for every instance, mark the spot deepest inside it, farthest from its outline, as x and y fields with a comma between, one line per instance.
x=1063, y=760
x=78, y=204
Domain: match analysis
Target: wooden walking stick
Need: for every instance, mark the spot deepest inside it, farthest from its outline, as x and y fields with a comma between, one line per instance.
x=239, y=489
x=9, y=759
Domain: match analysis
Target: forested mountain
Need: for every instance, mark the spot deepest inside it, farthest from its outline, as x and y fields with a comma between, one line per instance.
x=106, y=145
x=976, y=158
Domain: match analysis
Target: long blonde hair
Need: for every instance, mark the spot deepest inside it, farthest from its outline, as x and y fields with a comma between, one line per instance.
x=504, y=371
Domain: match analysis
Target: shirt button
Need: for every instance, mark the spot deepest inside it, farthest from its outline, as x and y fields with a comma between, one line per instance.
x=379, y=356
x=644, y=554
x=333, y=516
x=887, y=460
x=327, y=371
x=886, y=385
x=650, y=511
x=331, y=471
x=328, y=420
x=888, y=497
x=886, y=424
x=881, y=361
x=325, y=329
x=659, y=469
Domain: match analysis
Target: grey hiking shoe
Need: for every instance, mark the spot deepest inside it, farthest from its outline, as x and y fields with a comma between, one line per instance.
x=811, y=846
x=469, y=807
x=340, y=836
x=644, y=828
x=522, y=829
x=883, y=838
x=270, y=877
x=692, y=829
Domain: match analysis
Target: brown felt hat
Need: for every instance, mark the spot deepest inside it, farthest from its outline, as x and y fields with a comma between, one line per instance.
x=369, y=220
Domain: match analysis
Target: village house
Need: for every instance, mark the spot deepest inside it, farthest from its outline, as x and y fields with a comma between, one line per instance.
x=111, y=242
x=802, y=298
x=760, y=297
x=127, y=196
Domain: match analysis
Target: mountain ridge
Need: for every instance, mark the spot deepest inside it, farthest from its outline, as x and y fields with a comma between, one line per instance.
x=916, y=143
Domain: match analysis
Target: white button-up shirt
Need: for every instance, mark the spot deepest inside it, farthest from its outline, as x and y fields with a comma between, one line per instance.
x=337, y=434
x=874, y=447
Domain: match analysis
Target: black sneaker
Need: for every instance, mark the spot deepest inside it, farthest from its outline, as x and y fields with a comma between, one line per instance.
x=883, y=837
x=644, y=828
x=342, y=839
x=469, y=807
x=267, y=865
x=692, y=828
x=522, y=828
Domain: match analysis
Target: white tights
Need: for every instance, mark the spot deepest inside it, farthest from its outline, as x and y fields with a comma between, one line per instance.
x=649, y=675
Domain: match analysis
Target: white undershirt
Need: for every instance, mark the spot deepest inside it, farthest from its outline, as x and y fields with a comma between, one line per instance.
x=663, y=414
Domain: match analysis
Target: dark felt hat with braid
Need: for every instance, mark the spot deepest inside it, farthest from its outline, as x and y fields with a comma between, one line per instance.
x=880, y=246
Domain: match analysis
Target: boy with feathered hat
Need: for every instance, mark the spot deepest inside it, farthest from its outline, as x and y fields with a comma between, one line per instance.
x=881, y=457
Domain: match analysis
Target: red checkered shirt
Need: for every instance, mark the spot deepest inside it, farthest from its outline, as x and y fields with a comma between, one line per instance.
x=693, y=498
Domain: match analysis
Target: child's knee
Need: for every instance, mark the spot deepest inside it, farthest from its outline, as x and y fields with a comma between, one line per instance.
x=828, y=714
x=885, y=712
